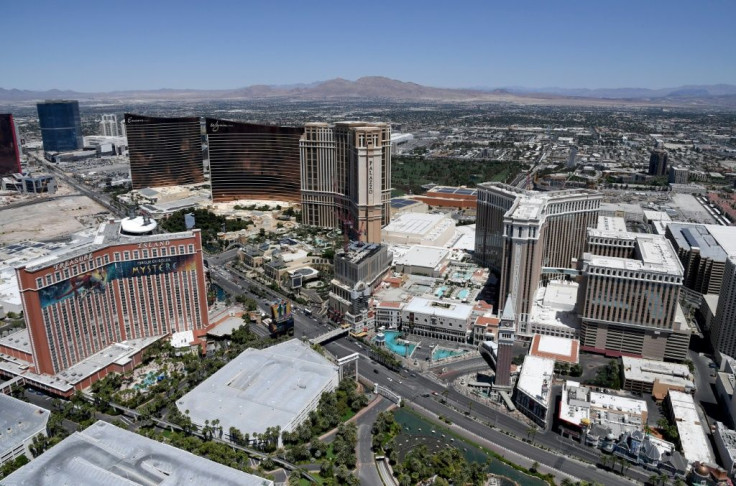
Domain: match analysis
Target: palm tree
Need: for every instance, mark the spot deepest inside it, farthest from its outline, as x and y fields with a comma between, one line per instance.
x=605, y=460
x=531, y=432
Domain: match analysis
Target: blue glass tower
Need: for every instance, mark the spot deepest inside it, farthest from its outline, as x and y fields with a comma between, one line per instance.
x=61, y=127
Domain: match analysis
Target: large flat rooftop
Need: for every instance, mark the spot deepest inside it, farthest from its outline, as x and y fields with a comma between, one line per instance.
x=654, y=254
x=689, y=236
x=695, y=443
x=450, y=310
x=649, y=370
x=262, y=388
x=422, y=256
x=106, y=454
x=19, y=421
x=536, y=378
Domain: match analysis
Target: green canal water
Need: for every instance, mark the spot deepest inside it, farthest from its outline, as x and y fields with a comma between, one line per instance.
x=417, y=431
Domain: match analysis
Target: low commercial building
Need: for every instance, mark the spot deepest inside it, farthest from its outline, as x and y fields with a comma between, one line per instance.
x=655, y=377
x=582, y=408
x=20, y=422
x=105, y=454
x=450, y=197
x=693, y=438
x=438, y=319
x=388, y=314
x=557, y=348
x=554, y=310
x=532, y=394
x=422, y=260
x=276, y=386
x=725, y=440
x=419, y=229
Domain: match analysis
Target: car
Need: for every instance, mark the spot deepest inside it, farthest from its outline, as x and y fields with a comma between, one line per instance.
x=434, y=393
x=425, y=395
x=712, y=365
x=390, y=379
x=375, y=371
x=413, y=375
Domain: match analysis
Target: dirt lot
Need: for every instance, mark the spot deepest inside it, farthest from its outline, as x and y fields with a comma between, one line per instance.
x=49, y=219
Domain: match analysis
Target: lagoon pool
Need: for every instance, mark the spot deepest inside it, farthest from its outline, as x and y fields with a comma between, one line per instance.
x=442, y=353
x=403, y=348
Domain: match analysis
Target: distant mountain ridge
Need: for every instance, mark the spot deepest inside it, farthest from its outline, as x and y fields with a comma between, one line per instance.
x=382, y=88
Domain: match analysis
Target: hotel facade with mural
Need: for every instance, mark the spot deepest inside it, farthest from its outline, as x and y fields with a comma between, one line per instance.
x=116, y=289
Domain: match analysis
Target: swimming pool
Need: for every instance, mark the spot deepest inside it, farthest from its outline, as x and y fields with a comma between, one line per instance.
x=463, y=294
x=403, y=348
x=443, y=353
x=440, y=291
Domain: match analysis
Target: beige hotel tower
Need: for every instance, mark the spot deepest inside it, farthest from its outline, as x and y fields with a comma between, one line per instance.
x=346, y=177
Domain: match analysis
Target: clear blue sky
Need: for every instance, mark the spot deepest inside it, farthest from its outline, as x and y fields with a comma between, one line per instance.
x=106, y=45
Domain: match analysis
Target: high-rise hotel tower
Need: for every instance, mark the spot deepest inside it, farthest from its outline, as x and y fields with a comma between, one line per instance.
x=164, y=151
x=249, y=161
x=115, y=288
x=519, y=233
x=346, y=177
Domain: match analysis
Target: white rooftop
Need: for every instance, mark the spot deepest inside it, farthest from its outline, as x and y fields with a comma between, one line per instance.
x=695, y=444
x=416, y=223
x=555, y=304
x=106, y=454
x=611, y=223
x=19, y=421
x=617, y=413
x=649, y=370
x=422, y=256
x=655, y=255
x=555, y=345
x=451, y=310
x=534, y=373
x=182, y=339
x=262, y=388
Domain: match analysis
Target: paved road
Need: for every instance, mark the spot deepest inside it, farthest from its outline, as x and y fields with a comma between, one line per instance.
x=413, y=388
x=367, y=471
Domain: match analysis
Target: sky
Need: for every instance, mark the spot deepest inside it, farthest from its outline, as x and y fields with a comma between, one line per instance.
x=131, y=44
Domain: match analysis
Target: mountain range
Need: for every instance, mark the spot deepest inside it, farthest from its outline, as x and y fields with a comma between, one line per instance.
x=379, y=88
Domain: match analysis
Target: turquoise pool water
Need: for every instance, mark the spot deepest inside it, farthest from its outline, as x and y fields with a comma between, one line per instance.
x=151, y=379
x=440, y=291
x=461, y=275
x=401, y=349
x=463, y=294
x=442, y=353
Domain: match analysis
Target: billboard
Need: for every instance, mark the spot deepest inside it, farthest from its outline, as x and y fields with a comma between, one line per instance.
x=95, y=281
x=281, y=310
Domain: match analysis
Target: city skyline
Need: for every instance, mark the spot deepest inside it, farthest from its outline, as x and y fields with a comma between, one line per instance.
x=535, y=45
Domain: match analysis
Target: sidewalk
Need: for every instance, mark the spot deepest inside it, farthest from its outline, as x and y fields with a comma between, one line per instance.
x=355, y=417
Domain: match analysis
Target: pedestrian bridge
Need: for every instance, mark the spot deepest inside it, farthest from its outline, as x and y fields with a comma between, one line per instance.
x=330, y=335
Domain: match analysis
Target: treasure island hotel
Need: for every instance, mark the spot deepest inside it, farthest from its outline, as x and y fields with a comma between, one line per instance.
x=115, y=289
x=164, y=151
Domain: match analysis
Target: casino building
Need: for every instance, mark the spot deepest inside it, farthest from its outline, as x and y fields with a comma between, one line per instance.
x=118, y=287
x=249, y=161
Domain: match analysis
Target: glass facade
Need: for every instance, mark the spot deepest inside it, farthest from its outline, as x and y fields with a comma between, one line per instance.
x=164, y=151
x=61, y=127
x=9, y=146
x=249, y=161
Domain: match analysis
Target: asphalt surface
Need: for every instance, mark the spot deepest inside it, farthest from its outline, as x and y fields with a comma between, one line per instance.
x=367, y=471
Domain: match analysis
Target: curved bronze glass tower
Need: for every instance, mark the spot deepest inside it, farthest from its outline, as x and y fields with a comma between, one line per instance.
x=164, y=151
x=249, y=161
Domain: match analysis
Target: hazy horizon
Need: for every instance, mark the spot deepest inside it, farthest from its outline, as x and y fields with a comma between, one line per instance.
x=90, y=46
